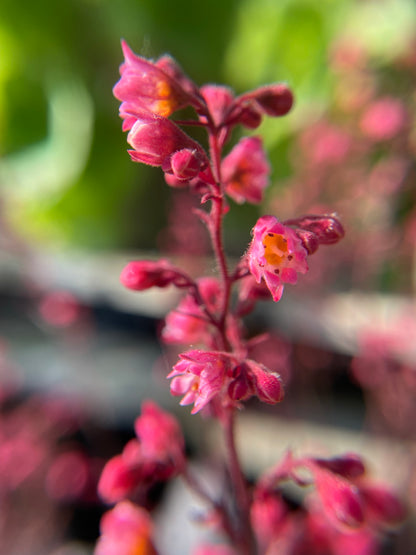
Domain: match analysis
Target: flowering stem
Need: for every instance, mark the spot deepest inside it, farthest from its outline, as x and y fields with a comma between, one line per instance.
x=196, y=486
x=243, y=536
x=244, y=533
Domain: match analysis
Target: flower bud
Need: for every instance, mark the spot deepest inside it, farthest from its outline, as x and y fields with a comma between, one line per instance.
x=274, y=100
x=327, y=228
x=268, y=386
x=348, y=466
x=309, y=240
x=340, y=499
x=219, y=100
x=186, y=164
x=143, y=274
x=154, y=139
x=118, y=479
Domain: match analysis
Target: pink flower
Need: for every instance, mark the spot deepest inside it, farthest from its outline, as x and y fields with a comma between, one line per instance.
x=118, y=479
x=276, y=255
x=126, y=530
x=187, y=324
x=274, y=100
x=145, y=85
x=383, y=119
x=349, y=497
x=143, y=274
x=155, y=139
x=205, y=376
x=245, y=171
x=219, y=100
x=200, y=376
x=160, y=436
x=156, y=455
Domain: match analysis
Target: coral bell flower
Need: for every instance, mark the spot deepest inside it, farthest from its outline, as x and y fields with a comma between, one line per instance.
x=143, y=274
x=245, y=171
x=145, y=85
x=276, y=255
x=159, y=435
x=202, y=376
x=199, y=376
x=155, y=139
x=127, y=530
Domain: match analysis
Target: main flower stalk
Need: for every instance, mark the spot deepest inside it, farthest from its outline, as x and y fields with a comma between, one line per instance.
x=222, y=370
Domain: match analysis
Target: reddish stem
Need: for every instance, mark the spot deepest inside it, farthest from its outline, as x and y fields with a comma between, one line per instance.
x=246, y=541
x=243, y=536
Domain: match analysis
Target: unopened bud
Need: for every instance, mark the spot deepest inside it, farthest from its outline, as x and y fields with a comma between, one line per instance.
x=274, y=100
x=144, y=274
x=186, y=164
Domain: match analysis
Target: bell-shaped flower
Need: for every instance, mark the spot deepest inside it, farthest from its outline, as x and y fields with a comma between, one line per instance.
x=119, y=478
x=276, y=255
x=126, y=529
x=160, y=436
x=200, y=376
x=145, y=85
x=155, y=139
x=245, y=171
x=144, y=274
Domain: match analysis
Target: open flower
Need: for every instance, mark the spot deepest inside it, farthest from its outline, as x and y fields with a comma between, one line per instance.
x=205, y=376
x=276, y=255
x=156, y=87
x=245, y=171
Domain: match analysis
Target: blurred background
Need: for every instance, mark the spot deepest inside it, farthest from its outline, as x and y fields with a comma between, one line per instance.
x=78, y=354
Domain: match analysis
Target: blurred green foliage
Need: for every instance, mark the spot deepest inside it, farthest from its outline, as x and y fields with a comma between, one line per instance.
x=65, y=176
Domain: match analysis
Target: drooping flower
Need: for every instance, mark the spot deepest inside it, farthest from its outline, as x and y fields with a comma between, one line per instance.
x=156, y=139
x=142, y=274
x=245, y=171
x=127, y=529
x=276, y=254
x=157, y=87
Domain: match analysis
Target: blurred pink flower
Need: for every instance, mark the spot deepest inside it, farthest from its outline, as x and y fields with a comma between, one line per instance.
x=143, y=274
x=245, y=171
x=126, y=530
x=187, y=323
x=383, y=119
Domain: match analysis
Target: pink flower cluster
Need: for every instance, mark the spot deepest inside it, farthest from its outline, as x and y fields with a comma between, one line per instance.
x=204, y=377
x=155, y=455
x=152, y=91
x=219, y=372
x=344, y=513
